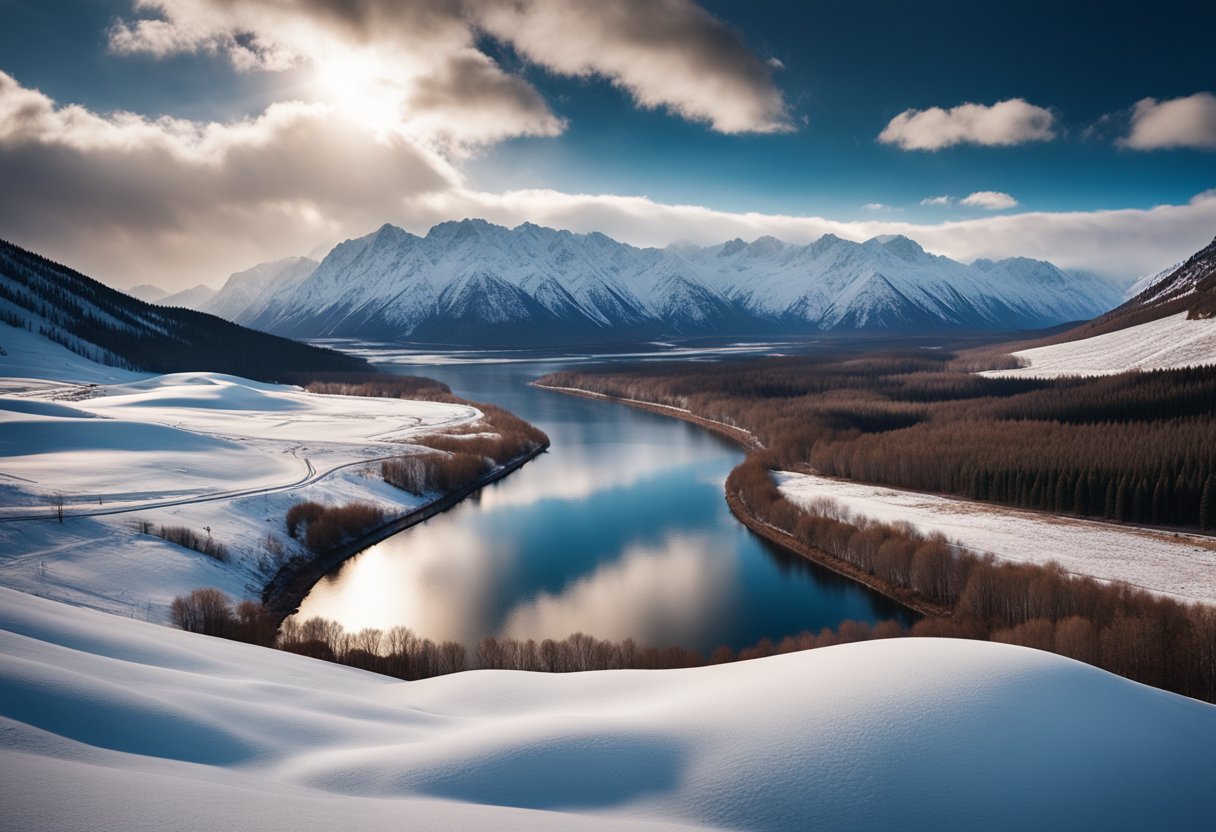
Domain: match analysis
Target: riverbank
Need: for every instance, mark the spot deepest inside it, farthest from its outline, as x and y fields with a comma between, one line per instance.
x=287, y=589
x=749, y=443
x=738, y=435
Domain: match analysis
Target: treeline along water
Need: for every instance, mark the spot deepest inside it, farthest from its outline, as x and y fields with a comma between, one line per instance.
x=620, y=531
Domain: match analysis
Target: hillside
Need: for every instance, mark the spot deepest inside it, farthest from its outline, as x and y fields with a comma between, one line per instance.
x=472, y=282
x=1169, y=323
x=112, y=328
x=154, y=727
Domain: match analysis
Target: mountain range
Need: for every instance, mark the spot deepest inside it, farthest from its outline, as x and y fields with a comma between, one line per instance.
x=475, y=283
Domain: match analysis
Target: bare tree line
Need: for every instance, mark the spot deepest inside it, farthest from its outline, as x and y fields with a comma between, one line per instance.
x=1129, y=631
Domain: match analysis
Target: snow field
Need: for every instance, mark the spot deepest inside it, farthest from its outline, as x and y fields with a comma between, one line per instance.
x=1178, y=565
x=221, y=455
x=114, y=724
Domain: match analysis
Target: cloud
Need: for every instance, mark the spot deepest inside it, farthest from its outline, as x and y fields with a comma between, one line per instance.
x=989, y=201
x=937, y=201
x=418, y=66
x=171, y=201
x=1178, y=122
x=1005, y=123
x=1119, y=244
x=668, y=54
x=877, y=206
x=175, y=202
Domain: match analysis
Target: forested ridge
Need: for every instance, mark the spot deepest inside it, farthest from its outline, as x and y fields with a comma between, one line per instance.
x=107, y=326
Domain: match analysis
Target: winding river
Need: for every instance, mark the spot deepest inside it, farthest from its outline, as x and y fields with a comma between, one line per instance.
x=620, y=530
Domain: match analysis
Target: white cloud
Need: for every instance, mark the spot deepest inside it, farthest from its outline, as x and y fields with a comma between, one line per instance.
x=937, y=201
x=1120, y=244
x=417, y=66
x=1179, y=122
x=989, y=201
x=877, y=206
x=1005, y=123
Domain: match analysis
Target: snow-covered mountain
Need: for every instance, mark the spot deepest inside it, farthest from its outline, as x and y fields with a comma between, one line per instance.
x=147, y=292
x=477, y=283
x=255, y=287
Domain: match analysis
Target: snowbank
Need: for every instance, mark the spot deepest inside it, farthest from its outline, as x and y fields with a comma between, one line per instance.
x=1168, y=343
x=115, y=724
x=1183, y=566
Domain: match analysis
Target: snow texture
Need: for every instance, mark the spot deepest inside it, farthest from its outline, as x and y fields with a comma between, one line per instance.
x=115, y=724
x=1167, y=343
x=1178, y=565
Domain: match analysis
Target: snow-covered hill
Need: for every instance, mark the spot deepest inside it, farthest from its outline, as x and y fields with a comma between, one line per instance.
x=474, y=282
x=109, y=723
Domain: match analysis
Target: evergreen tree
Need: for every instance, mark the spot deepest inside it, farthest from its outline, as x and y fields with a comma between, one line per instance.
x=1207, y=505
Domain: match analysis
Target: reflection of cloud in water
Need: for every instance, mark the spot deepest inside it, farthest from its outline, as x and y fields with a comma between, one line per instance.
x=657, y=596
x=438, y=580
x=570, y=474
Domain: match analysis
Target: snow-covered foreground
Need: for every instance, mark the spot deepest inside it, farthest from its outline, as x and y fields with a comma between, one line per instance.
x=223, y=456
x=1183, y=566
x=1165, y=344
x=116, y=724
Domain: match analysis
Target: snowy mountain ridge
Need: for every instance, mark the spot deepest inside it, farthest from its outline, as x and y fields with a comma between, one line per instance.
x=475, y=282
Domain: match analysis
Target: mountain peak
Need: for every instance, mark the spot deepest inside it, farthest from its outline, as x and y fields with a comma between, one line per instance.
x=733, y=247
x=899, y=245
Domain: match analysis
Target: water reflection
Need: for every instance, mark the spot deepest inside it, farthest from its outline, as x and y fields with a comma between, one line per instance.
x=665, y=594
x=619, y=531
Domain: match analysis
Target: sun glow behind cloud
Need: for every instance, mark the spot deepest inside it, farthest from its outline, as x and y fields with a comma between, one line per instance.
x=359, y=85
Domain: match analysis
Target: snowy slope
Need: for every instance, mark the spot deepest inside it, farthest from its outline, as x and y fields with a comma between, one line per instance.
x=1149, y=280
x=115, y=724
x=474, y=282
x=1166, y=343
x=1181, y=566
x=223, y=456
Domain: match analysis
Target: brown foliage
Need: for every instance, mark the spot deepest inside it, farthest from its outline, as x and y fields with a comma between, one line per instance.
x=207, y=611
x=190, y=539
x=325, y=527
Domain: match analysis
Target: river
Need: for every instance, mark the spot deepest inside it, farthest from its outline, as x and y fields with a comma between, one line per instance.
x=620, y=530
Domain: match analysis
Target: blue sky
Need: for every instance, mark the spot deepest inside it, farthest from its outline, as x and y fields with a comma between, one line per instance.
x=764, y=118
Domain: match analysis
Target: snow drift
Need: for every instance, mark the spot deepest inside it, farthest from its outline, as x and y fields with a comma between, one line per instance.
x=115, y=724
